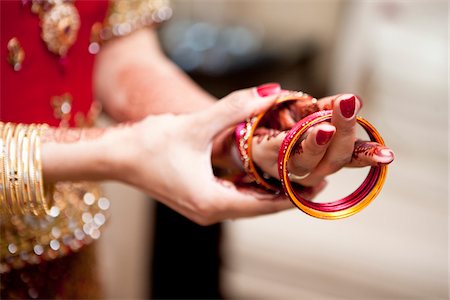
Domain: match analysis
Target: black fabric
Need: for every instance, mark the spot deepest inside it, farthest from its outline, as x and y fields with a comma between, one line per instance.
x=186, y=258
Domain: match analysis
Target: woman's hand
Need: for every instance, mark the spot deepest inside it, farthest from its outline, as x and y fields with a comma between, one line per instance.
x=169, y=157
x=327, y=148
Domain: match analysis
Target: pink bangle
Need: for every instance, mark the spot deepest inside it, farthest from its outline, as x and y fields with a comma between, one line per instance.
x=346, y=206
x=244, y=136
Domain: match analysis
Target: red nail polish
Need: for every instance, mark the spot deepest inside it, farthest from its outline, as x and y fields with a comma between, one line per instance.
x=347, y=106
x=323, y=137
x=268, y=89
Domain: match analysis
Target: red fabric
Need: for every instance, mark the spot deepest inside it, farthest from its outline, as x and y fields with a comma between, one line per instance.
x=26, y=94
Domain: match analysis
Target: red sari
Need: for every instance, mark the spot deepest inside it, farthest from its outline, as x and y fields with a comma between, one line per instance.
x=38, y=86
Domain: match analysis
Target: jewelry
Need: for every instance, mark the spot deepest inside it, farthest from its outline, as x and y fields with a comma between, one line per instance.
x=22, y=187
x=244, y=134
x=294, y=177
x=38, y=222
x=18, y=138
x=6, y=137
x=344, y=207
x=41, y=197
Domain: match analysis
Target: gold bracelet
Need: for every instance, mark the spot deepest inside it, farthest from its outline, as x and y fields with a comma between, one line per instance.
x=27, y=173
x=22, y=186
x=18, y=138
x=23, y=154
x=10, y=171
x=5, y=177
x=2, y=173
x=42, y=199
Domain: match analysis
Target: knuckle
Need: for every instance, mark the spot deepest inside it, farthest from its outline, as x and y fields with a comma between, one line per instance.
x=235, y=103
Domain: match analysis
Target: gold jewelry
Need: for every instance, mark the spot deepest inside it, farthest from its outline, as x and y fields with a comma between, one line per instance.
x=22, y=186
x=18, y=180
x=2, y=174
x=294, y=177
x=39, y=222
x=6, y=128
x=41, y=197
x=11, y=172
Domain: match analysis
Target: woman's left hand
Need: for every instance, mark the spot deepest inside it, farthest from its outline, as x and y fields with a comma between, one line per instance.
x=327, y=148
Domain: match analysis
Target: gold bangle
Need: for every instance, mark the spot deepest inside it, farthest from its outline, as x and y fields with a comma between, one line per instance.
x=2, y=172
x=23, y=153
x=18, y=138
x=31, y=174
x=39, y=183
x=27, y=173
x=11, y=172
x=5, y=178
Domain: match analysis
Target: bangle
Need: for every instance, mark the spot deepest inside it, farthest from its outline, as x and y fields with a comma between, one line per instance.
x=244, y=133
x=11, y=172
x=22, y=190
x=6, y=136
x=19, y=138
x=2, y=173
x=346, y=206
x=44, y=201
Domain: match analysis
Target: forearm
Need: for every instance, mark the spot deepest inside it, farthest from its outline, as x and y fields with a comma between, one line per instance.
x=83, y=153
x=133, y=78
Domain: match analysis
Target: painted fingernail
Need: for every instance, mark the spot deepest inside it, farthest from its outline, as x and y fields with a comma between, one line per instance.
x=385, y=156
x=268, y=89
x=324, y=136
x=347, y=106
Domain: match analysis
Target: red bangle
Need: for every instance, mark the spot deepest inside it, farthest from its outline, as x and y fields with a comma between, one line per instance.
x=346, y=206
x=244, y=136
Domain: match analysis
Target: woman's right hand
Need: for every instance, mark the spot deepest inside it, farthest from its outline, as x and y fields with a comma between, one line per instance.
x=169, y=157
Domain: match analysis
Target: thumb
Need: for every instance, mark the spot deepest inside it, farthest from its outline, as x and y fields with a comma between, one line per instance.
x=238, y=106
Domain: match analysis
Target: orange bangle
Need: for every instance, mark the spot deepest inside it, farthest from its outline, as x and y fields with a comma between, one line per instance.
x=346, y=206
x=244, y=137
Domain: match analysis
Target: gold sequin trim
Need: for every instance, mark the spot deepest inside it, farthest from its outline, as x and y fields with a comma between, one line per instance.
x=126, y=16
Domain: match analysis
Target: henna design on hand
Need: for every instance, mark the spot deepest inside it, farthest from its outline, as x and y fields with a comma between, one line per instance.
x=263, y=133
x=371, y=153
x=71, y=135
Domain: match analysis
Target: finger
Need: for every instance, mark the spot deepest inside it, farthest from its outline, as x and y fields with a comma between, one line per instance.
x=265, y=150
x=309, y=193
x=310, y=152
x=327, y=103
x=237, y=203
x=370, y=154
x=340, y=150
x=246, y=202
x=344, y=119
x=237, y=106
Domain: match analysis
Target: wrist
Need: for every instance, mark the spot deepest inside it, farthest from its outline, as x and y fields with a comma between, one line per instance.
x=119, y=148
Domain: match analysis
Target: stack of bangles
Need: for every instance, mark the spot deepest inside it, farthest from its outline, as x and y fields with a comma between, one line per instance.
x=21, y=183
x=345, y=207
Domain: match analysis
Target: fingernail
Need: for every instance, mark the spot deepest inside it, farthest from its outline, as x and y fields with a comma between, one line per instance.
x=347, y=106
x=268, y=89
x=323, y=137
x=385, y=156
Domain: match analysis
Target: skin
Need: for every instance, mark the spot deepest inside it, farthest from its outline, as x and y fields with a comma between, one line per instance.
x=171, y=134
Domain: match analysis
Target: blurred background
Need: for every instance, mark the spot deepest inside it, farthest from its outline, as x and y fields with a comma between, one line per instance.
x=394, y=55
